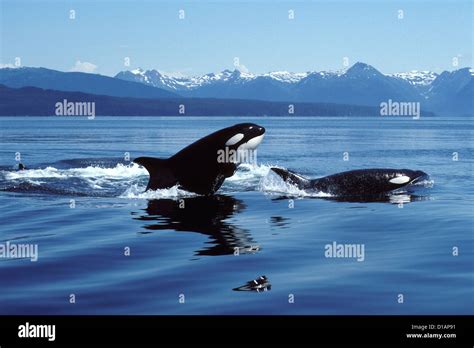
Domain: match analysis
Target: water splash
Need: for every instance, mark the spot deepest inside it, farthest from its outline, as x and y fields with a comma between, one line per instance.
x=129, y=181
x=273, y=184
x=136, y=191
x=118, y=172
x=427, y=183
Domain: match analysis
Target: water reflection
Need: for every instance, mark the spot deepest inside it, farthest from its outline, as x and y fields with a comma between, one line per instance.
x=280, y=221
x=393, y=198
x=207, y=215
x=260, y=284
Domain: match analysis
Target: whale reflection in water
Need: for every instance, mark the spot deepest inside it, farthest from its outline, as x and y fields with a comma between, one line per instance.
x=390, y=198
x=259, y=284
x=207, y=215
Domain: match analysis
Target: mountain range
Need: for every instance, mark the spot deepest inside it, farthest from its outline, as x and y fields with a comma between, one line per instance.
x=359, y=85
x=78, y=82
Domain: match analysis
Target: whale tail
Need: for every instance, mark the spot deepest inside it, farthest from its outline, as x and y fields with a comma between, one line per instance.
x=291, y=177
x=161, y=174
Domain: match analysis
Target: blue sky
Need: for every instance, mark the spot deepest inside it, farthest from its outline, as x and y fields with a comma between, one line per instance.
x=212, y=34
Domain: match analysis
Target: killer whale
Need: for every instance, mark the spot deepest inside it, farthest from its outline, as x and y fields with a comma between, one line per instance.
x=355, y=182
x=202, y=166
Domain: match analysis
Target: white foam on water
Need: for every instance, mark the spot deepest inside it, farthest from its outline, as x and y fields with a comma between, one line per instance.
x=249, y=171
x=399, y=198
x=48, y=172
x=137, y=191
x=428, y=183
x=248, y=176
x=273, y=184
x=120, y=171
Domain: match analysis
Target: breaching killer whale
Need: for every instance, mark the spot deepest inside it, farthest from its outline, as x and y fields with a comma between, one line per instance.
x=355, y=182
x=199, y=167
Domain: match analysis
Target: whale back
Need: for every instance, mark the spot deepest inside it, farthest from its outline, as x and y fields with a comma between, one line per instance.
x=366, y=181
x=355, y=182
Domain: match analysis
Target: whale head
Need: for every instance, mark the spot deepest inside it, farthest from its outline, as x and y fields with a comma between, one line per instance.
x=407, y=176
x=244, y=136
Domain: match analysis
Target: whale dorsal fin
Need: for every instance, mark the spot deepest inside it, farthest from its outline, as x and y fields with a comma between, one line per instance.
x=292, y=177
x=161, y=175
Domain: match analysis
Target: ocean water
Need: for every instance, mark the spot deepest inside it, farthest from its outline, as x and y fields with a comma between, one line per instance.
x=119, y=250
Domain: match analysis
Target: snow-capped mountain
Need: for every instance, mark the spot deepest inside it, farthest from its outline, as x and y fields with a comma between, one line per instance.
x=361, y=84
x=159, y=79
x=417, y=78
x=173, y=83
x=285, y=76
x=78, y=82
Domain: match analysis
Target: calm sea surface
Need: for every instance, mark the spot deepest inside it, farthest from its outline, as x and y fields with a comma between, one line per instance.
x=121, y=251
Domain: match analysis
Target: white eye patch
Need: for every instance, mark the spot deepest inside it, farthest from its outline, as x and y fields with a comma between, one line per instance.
x=400, y=180
x=235, y=139
x=252, y=143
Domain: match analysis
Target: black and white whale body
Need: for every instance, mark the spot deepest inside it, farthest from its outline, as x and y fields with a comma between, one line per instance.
x=355, y=182
x=203, y=166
